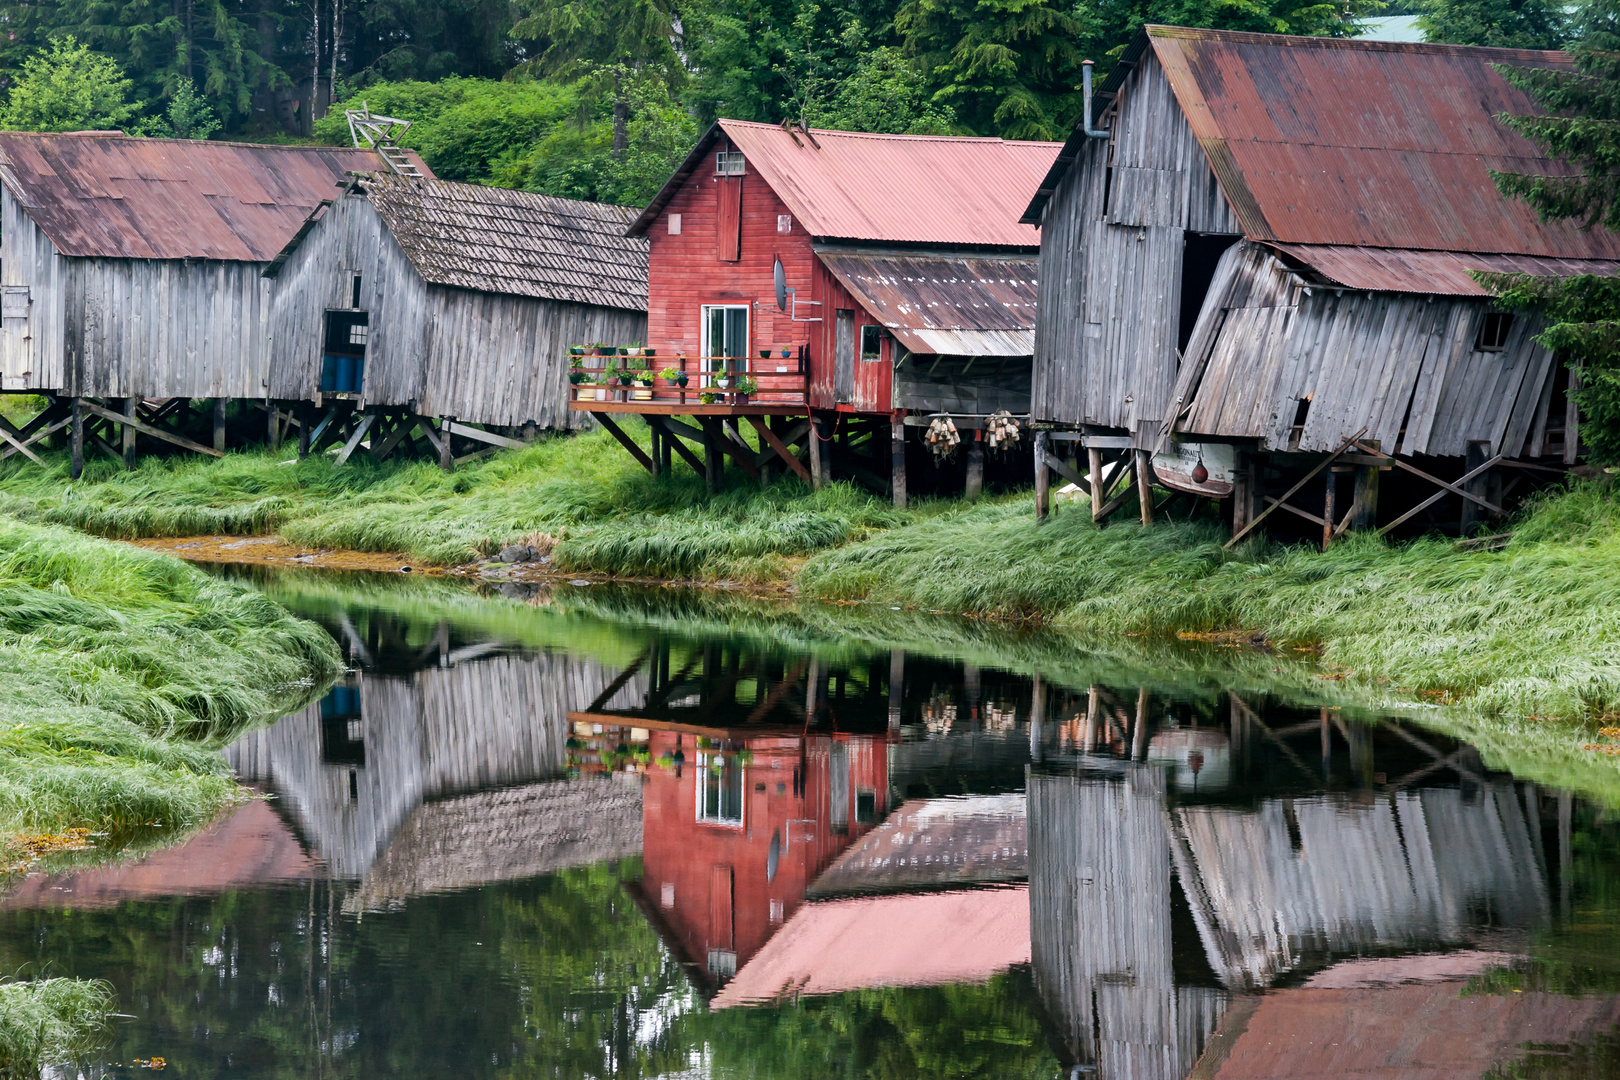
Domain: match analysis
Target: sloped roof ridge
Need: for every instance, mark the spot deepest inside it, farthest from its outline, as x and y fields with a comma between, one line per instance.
x=1249, y=37
x=842, y=134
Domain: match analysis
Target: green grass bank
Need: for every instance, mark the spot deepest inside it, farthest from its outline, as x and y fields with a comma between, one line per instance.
x=121, y=672
x=1497, y=639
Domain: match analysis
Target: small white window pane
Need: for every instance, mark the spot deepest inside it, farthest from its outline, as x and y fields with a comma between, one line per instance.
x=784, y=223
x=674, y=224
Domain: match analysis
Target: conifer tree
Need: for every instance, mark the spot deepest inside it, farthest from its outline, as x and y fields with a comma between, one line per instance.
x=1582, y=128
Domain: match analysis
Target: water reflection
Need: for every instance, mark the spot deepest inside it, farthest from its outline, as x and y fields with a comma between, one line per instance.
x=491, y=854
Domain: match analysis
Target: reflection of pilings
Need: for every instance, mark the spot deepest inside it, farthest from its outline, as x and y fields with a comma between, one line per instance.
x=1139, y=735
x=897, y=682
x=1037, y=717
x=1088, y=739
x=1566, y=808
x=970, y=687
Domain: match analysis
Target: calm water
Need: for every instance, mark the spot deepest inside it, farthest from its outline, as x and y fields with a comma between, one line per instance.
x=518, y=842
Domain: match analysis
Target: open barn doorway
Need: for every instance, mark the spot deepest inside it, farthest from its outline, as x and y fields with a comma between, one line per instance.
x=343, y=354
x=1200, y=254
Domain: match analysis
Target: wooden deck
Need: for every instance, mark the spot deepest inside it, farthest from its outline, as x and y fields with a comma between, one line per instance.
x=780, y=386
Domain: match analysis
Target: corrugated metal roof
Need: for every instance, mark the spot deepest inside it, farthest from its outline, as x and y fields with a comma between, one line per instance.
x=956, y=305
x=515, y=242
x=1359, y=143
x=109, y=195
x=911, y=189
x=1441, y=272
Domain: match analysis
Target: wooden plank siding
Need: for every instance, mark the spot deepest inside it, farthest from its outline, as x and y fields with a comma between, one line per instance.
x=32, y=349
x=1112, y=242
x=1402, y=365
x=481, y=357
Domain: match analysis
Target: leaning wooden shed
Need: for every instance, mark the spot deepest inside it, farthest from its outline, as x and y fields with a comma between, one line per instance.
x=1255, y=269
x=131, y=272
x=411, y=301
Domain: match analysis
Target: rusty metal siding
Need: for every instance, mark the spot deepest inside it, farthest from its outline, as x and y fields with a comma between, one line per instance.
x=1439, y=272
x=884, y=188
x=961, y=305
x=111, y=196
x=33, y=349
x=1372, y=144
x=1266, y=341
x=166, y=328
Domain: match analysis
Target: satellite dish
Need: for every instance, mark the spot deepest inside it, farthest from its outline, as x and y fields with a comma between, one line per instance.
x=781, y=287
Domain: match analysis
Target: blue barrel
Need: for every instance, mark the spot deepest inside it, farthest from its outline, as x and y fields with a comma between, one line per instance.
x=328, y=373
x=359, y=374
x=345, y=374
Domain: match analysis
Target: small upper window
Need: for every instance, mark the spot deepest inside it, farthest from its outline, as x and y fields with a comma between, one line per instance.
x=871, y=343
x=729, y=163
x=1493, y=332
x=357, y=334
x=674, y=224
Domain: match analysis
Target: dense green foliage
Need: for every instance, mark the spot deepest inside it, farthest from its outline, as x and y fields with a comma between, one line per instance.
x=68, y=88
x=50, y=1022
x=1507, y=24
x=1580, y=126
x=119, y=669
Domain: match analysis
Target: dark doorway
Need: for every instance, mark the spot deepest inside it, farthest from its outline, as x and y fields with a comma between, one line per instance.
x=844, y=358
x=343, y=355
x=1198, y=258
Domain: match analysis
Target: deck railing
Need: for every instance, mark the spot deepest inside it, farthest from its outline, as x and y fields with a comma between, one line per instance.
x=711, y=380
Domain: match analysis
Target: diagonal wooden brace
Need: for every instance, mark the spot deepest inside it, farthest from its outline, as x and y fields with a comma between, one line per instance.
x=775, y=442
x=1324, y=463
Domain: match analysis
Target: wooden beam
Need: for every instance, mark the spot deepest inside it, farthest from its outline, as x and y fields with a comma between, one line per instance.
x=481, y=435
x=740, y=451
x=1065, y=470
x=683, y=429
x=146, y=429
x=676, y=445
x=78, y=437
x=1324, y=463
x=42, y=433
x=624, y=440
x=1144, y=485
x=18, y=446
x=775, y=442
x=402, y=428
x=897, y=461
x=219, y=423
x=128, y=434
x=1314, y=519
x=1437, y=496
x=359, y=432
x=1043, y=482
x=1098, y=513
x=1457, y=489
x=425, y=426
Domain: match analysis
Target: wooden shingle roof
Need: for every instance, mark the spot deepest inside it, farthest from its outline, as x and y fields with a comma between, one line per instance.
x=515, y=242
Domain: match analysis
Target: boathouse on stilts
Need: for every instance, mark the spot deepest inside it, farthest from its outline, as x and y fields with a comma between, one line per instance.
x=418, y=309
x=834, y=291
x=131, y=287
x=1255, y=286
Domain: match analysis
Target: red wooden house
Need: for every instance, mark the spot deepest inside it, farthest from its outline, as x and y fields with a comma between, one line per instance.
x=856, y=282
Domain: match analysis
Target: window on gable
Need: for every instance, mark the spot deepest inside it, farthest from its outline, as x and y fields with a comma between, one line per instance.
x=729, y=163
x=1493, y=332
x=871, y=343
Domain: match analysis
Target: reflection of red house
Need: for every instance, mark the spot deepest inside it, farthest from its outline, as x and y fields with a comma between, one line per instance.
x=733, y=838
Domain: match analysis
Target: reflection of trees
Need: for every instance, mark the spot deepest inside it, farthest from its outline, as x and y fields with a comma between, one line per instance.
x=601, y=997
x=895, y=1033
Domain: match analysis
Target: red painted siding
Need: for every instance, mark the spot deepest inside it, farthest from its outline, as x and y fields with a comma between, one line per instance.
x=712, y=881
x=686, y=271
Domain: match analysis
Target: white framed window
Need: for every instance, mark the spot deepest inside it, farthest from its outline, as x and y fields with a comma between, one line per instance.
x=1493, y=332
x=674, y=224
x=729, y=163
x=871, y=343
x=725, y=335
x=784, y=223
x=720, y=790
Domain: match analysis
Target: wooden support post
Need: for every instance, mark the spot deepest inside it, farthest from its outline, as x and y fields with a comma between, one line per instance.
x=816, y=460
x=897, y=459
x=1043, y=479
x=129, y=432
x=1094, y=480
x=773, y=439
x=306, y=416
x=714, y=454
x=78, y=437
x=219, y=423
x=666, y=461
x=447, y=459
x=1477, y=452
x=1242, y=491
x=654, y=436
x=1328, y=517
x=975, y=465
x=1144, y=485
x=272, y=433
x=1572, y=418
x=1364, y=508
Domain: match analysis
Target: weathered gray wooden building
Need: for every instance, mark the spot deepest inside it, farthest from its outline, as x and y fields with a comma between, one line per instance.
x=1255, y=258
x=406, y=300
x=131, y=273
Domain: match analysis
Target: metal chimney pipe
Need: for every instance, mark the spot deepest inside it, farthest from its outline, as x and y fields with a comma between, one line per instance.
x=1086, y=87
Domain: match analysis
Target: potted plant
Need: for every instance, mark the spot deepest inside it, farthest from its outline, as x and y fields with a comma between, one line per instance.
x=744, y=387
x=708, y=398
x=633, y=349
x=674, y=376
x=624, y=376
x=576, y=350
x=576, y=365
x=787, y=354
x=649, y=352
x=722, y=379
x=764, y=354
x=644, y=380
x=603, y=349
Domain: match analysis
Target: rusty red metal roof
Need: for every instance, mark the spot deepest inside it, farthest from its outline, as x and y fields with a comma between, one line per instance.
x=957, y=305
x=1367, y=143
x=907, y=189
x=112, y=196
x=1445, y=273
x=1359, y=144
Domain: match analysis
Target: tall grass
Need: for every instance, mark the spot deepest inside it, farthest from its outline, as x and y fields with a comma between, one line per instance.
x=50, y=1022
x=120, y=669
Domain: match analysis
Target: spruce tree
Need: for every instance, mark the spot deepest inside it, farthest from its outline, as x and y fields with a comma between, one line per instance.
x=1583, y=130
